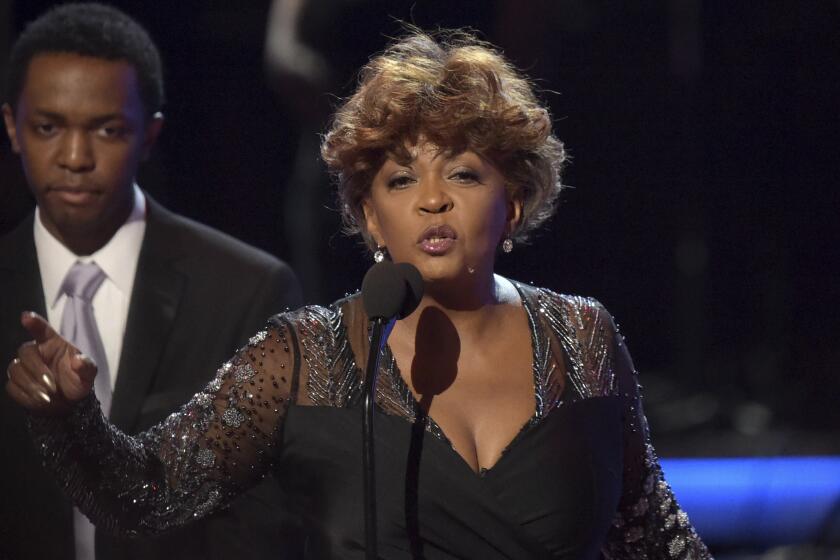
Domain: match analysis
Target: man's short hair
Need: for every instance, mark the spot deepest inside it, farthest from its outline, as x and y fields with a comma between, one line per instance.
x=94, y=30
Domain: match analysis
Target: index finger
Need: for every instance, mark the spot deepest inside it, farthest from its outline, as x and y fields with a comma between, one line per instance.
x=37, y=327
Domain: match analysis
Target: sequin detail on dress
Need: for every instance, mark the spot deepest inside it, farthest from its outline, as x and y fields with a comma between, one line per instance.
x=227, y=436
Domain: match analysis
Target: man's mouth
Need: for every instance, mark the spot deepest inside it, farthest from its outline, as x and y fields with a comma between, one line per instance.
x=74, y=195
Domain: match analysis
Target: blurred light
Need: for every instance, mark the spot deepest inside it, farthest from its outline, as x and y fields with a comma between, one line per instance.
x=751, y=418
x=757, y=501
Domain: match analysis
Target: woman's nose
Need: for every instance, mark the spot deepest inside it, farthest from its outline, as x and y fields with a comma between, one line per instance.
x=434, y=199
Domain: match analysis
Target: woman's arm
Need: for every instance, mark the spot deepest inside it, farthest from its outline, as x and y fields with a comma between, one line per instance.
x=649, y=522
x=220, y=443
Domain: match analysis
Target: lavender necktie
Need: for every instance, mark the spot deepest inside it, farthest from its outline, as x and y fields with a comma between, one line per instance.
x=78, y=325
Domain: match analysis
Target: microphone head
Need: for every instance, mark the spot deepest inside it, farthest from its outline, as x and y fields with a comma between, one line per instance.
x=391, y=290
x=384, y=290
x=414, y=283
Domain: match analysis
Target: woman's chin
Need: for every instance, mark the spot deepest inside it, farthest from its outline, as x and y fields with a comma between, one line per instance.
x=448, y=274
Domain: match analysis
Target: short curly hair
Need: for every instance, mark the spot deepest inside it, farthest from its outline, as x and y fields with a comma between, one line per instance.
x=459, y=93
x=89, y=29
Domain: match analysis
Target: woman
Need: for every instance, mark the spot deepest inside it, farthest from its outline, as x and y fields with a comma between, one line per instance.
x=510, y=423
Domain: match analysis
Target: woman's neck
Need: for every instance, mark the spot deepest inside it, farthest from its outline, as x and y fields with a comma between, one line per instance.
x=471, y=312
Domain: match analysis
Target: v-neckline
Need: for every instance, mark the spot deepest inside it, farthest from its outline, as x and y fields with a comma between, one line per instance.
x=390, y=368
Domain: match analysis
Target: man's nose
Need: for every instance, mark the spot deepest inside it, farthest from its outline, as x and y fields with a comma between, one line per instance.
x=76, y=152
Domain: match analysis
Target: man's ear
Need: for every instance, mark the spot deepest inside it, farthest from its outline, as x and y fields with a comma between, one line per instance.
x=372, y=222
x=150, y=135
x=11, y=128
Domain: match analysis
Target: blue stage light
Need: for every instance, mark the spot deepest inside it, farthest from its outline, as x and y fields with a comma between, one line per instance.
x=757, y=501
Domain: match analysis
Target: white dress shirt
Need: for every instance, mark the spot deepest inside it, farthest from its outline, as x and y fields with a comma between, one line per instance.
x=118, y=259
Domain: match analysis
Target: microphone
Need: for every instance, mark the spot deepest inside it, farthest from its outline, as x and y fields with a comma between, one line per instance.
x=414, y=283
x=389, y=292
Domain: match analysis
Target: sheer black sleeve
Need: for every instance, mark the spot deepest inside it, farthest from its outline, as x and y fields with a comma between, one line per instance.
x=649, y=522
x=220, y=443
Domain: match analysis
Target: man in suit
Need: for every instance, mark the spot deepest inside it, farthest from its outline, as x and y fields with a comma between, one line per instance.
x=174, y=298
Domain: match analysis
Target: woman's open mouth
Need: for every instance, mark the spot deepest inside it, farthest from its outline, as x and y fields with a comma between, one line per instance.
x=437, y=240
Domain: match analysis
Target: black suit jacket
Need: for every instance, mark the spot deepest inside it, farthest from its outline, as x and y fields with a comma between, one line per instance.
x=198, y=295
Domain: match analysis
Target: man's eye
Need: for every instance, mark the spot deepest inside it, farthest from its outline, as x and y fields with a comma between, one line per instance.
x=111, y=131
x=45, y=129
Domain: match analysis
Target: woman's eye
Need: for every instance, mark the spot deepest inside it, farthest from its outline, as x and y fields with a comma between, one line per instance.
x=400, y=181
x=465, y=176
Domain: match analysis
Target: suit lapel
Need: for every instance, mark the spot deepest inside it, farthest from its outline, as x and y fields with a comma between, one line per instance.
x=20, y=276
x=155, y=297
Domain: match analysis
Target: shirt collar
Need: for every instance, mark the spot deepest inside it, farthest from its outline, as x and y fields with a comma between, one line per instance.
x=117, y=258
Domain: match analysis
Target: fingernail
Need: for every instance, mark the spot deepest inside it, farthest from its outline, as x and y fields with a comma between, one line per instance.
x=44, y=396
x=48, y=382
x=85, y=358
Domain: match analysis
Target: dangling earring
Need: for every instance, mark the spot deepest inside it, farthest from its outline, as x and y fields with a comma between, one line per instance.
x=507, y=245
x=379, y=254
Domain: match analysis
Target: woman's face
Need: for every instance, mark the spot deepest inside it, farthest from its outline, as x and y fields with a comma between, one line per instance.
x=444, y=213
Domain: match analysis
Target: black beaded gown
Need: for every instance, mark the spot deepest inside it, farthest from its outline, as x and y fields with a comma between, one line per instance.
x=579, y=481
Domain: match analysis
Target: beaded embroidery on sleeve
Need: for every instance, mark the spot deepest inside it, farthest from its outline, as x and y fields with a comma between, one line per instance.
x=218, y=444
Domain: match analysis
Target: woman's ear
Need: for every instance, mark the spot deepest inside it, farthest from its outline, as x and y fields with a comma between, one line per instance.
x=514, y=214
x=371, y=223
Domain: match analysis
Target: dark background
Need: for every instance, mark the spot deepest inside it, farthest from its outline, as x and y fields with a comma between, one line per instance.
x=703, y=213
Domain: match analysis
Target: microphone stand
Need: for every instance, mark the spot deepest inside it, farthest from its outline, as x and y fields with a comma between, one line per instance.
x=380, y=330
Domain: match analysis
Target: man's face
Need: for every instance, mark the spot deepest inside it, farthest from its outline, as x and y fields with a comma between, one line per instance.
x=81, y=130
